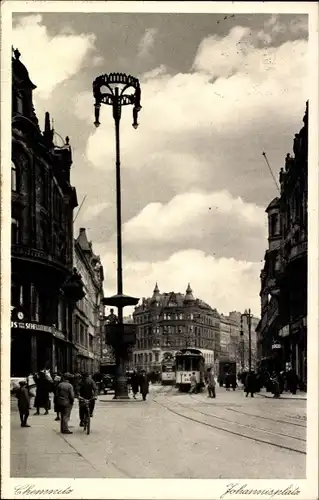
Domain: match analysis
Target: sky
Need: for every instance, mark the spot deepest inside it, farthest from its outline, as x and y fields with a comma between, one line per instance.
x=217, y=91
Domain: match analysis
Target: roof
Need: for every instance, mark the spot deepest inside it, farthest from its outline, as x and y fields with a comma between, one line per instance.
x=273, y=204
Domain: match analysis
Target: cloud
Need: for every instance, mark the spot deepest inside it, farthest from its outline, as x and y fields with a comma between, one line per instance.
x=226, y=284
x=93, y=211
x=199, y=145
x=195, y=216
x=50, y=60
x=146, y=43
x=234, y=93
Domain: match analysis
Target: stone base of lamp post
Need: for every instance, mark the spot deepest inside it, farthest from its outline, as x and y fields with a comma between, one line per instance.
x=121, y=337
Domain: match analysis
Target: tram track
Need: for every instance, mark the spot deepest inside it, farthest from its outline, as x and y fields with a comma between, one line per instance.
x=278, y=421
x=227, y=428
x=245, y=425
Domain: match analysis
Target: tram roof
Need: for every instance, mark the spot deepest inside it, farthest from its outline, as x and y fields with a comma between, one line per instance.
x=189, y=352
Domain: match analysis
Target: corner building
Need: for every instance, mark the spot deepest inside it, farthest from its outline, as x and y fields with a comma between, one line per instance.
x=282, y=330
x=44, y=288
x=168, y=322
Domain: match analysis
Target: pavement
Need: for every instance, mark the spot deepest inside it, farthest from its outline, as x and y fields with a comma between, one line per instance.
x=285, y=395
x=171, y=435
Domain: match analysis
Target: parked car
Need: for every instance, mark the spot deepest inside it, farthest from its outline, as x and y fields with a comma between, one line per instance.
x=108, y=383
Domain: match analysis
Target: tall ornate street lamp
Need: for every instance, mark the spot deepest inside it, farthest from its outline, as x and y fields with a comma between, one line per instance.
x=248, y=316
x=113, y=89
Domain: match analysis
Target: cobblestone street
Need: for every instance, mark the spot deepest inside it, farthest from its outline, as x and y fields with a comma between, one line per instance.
x=172, y=435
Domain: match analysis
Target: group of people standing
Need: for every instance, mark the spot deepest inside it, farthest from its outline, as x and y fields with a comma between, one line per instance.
x=65, y=388
x=139, y=382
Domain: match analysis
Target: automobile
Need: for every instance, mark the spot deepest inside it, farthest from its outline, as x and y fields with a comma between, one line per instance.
x=108, y=383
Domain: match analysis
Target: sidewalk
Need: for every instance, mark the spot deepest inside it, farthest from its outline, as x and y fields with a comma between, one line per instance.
x=285, y=395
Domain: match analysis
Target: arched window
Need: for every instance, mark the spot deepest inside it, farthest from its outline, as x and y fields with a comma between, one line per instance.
x=14, y=177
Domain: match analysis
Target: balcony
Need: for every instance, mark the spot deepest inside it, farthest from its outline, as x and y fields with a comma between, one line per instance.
x=38, y=256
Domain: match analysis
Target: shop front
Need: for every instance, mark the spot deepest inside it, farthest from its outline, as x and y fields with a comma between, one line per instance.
x=85, y=360
x=34, y=347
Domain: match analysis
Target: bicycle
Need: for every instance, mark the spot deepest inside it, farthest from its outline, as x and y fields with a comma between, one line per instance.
x=87, y=414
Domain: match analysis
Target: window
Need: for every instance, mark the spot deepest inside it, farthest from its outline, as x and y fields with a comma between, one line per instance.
x=34, y=304
x=90, y=342
x=16, y=290
x=15, y=235
x=274, y=225
x=14, y=177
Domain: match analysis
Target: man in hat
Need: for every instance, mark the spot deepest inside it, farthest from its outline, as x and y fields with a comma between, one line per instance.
x=65, y=400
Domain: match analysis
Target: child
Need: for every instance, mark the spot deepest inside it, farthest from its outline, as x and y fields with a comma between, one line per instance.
x=23, y=403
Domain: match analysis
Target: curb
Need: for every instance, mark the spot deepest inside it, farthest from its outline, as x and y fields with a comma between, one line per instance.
x=282, y=397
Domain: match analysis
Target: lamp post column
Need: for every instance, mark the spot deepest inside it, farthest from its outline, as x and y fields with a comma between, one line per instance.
x=111, y=89
x=249, y=339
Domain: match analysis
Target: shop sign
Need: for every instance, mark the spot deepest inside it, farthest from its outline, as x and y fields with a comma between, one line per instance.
x=32, y=326
x=276, y=346
x=38, y=328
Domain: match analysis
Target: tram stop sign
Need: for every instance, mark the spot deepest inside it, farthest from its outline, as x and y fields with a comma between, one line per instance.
x=116, y=334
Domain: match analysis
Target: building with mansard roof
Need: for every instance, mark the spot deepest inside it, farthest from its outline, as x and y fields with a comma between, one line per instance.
x=170, y=321
x=44, y=286
x=88, y=313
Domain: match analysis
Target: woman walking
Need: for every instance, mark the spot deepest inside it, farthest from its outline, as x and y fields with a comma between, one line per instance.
x=134, y=384
x=42, y=399
x=144, y=384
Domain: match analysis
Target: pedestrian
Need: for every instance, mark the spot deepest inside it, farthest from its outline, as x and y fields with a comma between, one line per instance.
x=227, y=381
x=56, y=380
x=134, y=383
x=87, y=390
x=65, y=400
x=275, y=385
x=292, y=381
x=233, y=381
x=23, y=403
x=144, y=384
x=250, y=384
x=42, y=398
x=211, y=385
x=193, y=382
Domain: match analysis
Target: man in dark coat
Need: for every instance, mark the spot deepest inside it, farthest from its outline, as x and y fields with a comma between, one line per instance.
x=143, y=383
x=23, y=403
x=42, y=399
x=211, y=385
x=65, y=400
x=292, y=381
x=233, y=381
x=250, y=384
x=134, y=383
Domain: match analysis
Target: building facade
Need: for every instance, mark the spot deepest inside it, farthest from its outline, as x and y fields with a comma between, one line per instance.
x=44, y=288
x=234, y=347
x=282, y=330
x=168, y=322
x=88, y=317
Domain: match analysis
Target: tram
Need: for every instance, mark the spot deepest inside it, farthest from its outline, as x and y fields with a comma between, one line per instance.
x=168, y=370
x=189, y=361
